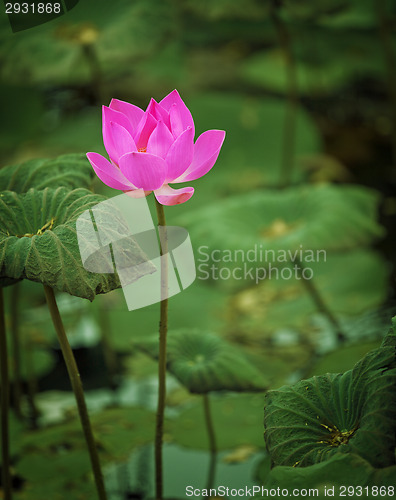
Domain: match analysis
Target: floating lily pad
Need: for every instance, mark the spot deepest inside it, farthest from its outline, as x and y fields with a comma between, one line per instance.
x=340, y=470
x=55, y=472
x=276, y=225
x=72, y=171
x=38, y=241
x=351, y=412
x=54, y=460
x=203, y=362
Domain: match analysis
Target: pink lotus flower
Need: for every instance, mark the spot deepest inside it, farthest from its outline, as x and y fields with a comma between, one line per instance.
x=150, y=149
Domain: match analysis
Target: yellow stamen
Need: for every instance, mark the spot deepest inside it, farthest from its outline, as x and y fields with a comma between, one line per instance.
x=48, y=226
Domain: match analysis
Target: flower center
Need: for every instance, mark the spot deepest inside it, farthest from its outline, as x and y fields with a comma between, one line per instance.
x=142, y=150
x=337, y=437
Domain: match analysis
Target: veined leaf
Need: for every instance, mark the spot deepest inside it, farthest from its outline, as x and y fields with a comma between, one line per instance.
x=204, y=362
x=351, y=412
x=38, y=241
x=72, y=171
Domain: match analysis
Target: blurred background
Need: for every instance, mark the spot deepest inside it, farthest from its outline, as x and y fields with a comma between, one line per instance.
x=306, y=93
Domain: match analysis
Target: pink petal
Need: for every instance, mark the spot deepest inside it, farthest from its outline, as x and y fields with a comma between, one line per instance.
x=186, y=120
x=180, y=154
x=109, y=173
x=133, y=113
x=160, y=140
x=117, y=141
x=158, y=112
x=144, y=170
x=145, y=128
x=110, y=115
x=176, y=120
x=206, y=150
x=169, y=196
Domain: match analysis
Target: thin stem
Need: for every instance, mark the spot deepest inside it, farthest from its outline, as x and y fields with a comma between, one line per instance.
x=109, y=354
x=16, y=348
x=209, y=424
x=91, y=57
x=78, y=390
x=5, y=402
x=386, y=37
x=212, y=440
x=319, y=301
x=290, y=119
x=163, y=329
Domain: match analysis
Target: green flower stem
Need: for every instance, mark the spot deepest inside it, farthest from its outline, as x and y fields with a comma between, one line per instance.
x=5, y=402
x=78, y=390
x=16, y=351
x=212, y=441
x=163, y=329
x=209, y=424
x=290, y=119
x=319, y=302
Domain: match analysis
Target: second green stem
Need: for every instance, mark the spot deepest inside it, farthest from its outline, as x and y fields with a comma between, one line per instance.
x=76, y=383
x=5, y=401
x=163, y=329
x=212, y=441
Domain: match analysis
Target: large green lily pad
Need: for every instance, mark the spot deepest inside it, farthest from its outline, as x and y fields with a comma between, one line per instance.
x=38, y=241
x=277, y=226
x=351, y=412
x=204, y=362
